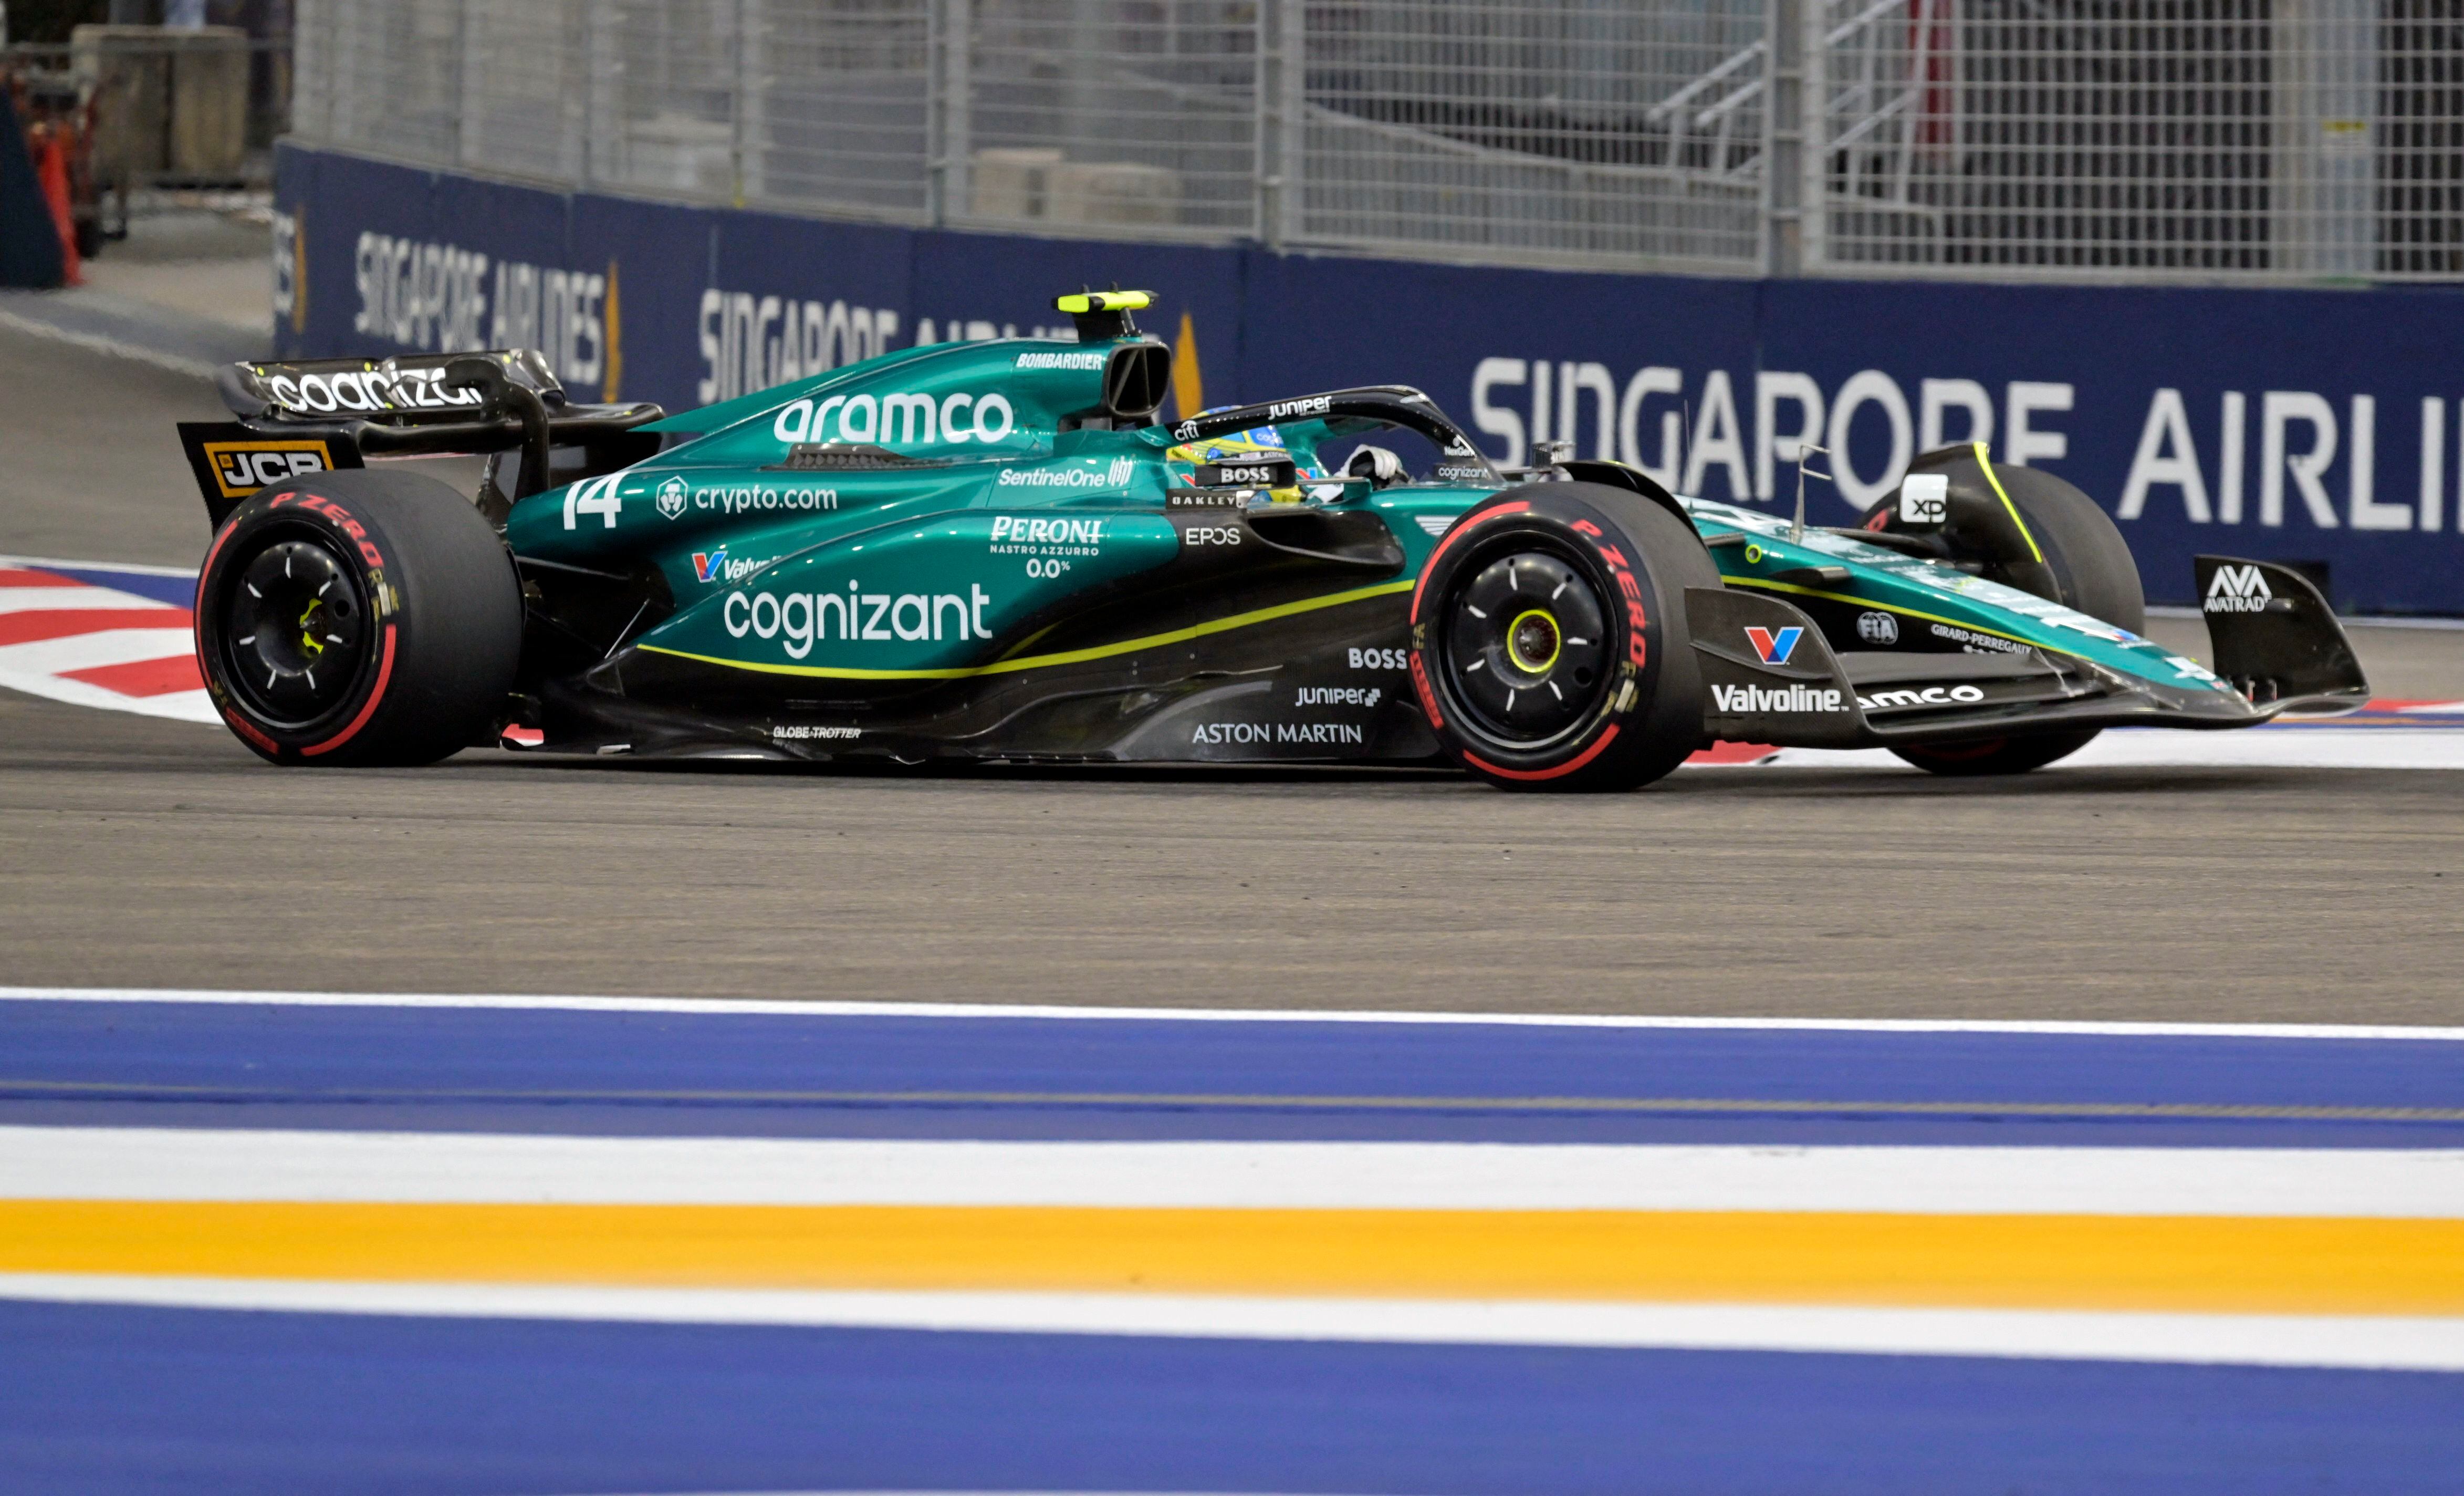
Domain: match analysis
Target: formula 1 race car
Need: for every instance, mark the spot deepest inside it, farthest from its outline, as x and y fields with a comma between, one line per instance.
x=993, y=551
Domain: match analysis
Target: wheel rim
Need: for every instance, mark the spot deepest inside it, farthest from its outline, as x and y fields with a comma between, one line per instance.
x=1527, y=647
x=294, y=631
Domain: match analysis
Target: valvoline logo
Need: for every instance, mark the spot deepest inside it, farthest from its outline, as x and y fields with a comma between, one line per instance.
x=709, y=566
x=1775, y=647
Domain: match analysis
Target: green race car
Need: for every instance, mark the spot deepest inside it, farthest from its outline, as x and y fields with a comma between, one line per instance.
x=994, y=551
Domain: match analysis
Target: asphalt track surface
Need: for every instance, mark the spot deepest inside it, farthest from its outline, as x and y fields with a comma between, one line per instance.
x=143, y=852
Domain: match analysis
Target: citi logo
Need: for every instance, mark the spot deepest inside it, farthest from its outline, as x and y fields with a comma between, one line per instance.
x=1774, y=646
x=2238, y=589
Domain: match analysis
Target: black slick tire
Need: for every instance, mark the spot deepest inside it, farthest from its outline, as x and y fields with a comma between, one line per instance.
x=1548, y=642
x=358, y=618
x=2093, y=572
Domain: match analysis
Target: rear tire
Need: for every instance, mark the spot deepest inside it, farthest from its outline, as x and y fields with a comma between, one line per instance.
x=2093, y=573
x=1548, y=642
x=358, y=618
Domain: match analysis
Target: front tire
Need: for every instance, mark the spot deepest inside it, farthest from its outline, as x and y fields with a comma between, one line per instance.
x=1548, y=642
x=2093, y=572
x=358, y=618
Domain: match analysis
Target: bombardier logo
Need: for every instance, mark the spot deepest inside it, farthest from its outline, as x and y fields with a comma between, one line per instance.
x=1739, y=699
x=2238, y=589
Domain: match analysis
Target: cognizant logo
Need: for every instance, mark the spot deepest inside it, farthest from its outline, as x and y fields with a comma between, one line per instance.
x=801, y=618
x=897, y=418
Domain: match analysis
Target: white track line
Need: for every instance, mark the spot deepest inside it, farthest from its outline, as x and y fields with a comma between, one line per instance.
x=74, y=598
x=807, y=1008
x=448, y=1167
x=2389, y=1342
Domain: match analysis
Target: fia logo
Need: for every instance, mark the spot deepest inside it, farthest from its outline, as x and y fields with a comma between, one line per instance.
x=2237, y=589
x=1775, y=647
x=709, y=567
x=671, y=500
x=1878, y=629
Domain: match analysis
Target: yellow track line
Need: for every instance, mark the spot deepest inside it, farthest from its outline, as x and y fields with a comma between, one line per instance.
x=2181, y=1264
x=1032, y=662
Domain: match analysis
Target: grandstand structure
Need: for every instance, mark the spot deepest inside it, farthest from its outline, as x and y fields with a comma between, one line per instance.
x=2142, y=141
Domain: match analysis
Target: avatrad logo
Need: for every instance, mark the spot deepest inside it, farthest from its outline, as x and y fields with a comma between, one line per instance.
x=2238, y=589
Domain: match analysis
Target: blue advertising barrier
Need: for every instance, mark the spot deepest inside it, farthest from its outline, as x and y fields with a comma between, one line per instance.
x=2306, y=425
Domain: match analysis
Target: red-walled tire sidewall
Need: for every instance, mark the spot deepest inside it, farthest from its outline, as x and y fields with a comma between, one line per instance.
x=1639, y=557
x=444, y=608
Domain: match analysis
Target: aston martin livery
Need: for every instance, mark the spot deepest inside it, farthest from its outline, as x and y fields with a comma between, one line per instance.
x=996, y=551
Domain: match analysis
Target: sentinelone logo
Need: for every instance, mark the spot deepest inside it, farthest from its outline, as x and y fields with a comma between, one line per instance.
x=1117, y=475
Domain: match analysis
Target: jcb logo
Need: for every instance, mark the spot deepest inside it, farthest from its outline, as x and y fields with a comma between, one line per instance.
x=2237, y=589
x=242, y=468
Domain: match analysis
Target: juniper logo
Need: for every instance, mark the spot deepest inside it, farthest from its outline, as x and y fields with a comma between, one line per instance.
x=2238, y=589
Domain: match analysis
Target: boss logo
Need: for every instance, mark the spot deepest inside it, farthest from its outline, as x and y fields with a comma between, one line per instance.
x=1379, y=659
x=242, y=468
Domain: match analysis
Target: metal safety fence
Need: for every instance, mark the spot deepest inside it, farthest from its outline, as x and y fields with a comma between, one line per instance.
x=2139, y=139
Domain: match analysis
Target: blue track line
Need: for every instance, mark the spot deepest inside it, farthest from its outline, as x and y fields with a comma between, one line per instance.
x=106, y=1400
x=736, y=1075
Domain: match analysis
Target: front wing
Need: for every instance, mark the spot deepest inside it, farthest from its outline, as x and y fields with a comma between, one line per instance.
x=2278, y=646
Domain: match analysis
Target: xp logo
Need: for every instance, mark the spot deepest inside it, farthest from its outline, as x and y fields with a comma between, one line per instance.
x=671, y=500
x=2238, y=589
x=1775, y=647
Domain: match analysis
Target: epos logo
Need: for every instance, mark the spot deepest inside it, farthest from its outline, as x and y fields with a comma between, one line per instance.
x=1775, y=647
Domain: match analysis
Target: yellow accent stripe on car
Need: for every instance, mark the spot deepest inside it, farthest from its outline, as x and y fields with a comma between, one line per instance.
x=1987, y=463
x=1892, y=607
x=2196, y=1264
x=1032, y=662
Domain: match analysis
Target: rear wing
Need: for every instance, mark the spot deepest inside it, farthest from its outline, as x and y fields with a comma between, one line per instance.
x=317, y=414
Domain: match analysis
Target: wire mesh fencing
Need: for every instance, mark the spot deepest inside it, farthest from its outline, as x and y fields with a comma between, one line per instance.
x=2146, y=140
